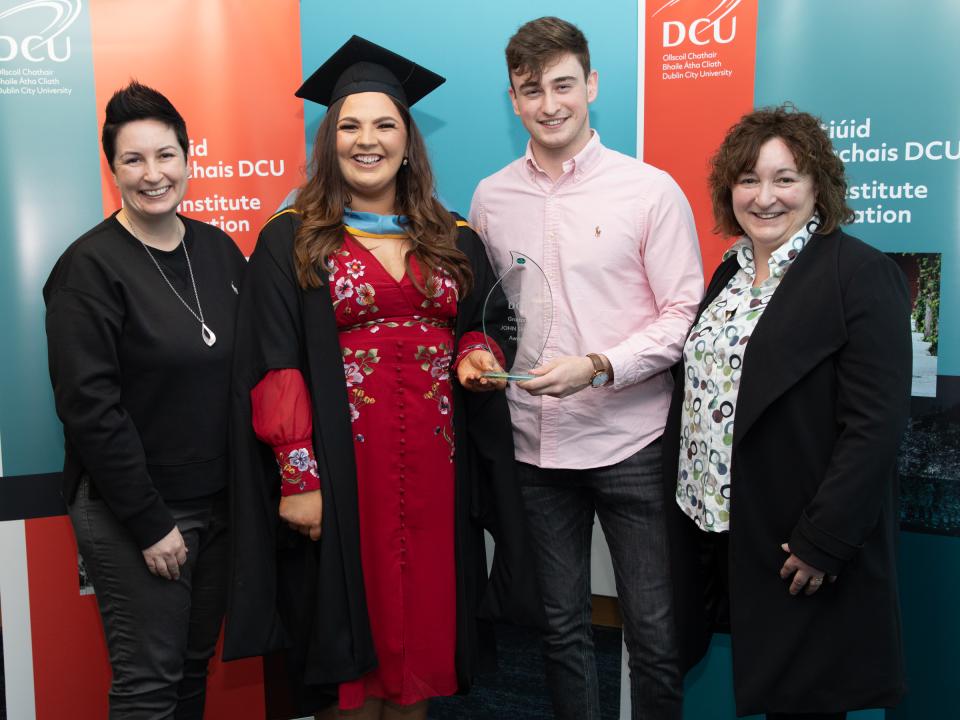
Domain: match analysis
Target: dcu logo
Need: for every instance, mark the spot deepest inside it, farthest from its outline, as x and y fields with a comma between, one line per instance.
x=44, y=23
x=718, y=26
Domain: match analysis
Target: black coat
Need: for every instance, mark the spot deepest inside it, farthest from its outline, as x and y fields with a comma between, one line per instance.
x=824, y=398
x=287, y=592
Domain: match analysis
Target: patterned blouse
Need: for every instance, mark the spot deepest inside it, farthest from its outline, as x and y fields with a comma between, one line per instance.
x=713, y=358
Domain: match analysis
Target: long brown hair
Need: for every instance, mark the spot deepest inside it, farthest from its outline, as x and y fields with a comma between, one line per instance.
x=322, y=199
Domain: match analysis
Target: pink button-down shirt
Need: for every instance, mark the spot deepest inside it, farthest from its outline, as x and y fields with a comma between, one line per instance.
x=618, y=244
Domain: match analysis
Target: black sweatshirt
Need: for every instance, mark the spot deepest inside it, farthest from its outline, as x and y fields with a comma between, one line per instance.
x=142, y=398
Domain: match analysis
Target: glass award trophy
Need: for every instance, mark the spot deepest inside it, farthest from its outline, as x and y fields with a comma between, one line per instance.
x=527, y=317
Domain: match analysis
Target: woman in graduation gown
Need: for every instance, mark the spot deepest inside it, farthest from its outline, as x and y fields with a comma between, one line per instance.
x=360, y=329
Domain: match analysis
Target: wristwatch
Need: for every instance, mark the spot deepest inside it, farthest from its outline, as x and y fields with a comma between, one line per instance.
x=600, y=375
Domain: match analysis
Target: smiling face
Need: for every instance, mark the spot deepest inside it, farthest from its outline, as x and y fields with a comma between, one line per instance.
x=554, y=107
x=150, y=169
x=371, y=144
x=772, y=200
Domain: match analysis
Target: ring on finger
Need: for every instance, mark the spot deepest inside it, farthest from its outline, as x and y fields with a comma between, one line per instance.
x=816, y=581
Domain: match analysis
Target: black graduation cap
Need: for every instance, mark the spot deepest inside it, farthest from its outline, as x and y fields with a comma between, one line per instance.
x=362, y=66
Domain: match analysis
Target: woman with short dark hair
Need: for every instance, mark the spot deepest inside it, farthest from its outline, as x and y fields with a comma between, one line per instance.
x=140, y=315
x=780, y=453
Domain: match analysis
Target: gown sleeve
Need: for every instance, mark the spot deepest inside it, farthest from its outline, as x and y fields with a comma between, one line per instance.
x=283, y=419
x=475, y=340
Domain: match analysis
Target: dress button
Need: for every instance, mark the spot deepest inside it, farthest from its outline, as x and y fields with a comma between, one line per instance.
x=403, y=540
x=403, y=428
x=402, y=416
x=403, y=441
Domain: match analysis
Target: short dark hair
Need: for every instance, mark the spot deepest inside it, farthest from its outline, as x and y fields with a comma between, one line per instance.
x=812, y=151
x=542, y=41
x=139, y=102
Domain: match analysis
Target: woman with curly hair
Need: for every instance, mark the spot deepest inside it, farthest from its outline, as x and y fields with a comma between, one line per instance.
x=792, y=394
x=359, y=331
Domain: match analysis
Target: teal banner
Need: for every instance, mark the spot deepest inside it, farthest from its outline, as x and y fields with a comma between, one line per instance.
x=49, y=187
x=882, y=76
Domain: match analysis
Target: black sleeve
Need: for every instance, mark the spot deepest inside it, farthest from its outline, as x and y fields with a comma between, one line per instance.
x=873, y=403
x=268, y=337
x=486, y=299
x=268, y=317
x=83, y=332
x=512, y=592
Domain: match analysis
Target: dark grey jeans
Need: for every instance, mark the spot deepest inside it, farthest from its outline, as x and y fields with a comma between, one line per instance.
x=628, y=499
x=160, y=633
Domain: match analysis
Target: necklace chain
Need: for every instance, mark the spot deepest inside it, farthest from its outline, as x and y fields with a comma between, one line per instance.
x=193, y=282
x=208, y=337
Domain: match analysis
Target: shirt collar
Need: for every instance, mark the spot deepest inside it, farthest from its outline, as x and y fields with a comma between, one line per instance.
x=781, y=258
x=578, y=164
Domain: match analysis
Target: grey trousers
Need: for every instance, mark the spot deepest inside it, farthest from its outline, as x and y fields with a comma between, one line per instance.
x=160, y=633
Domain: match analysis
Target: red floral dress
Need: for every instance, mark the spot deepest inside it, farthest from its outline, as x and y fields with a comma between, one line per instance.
x=397, y=347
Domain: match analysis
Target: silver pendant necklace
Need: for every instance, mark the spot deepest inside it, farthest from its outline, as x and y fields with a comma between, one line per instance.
x=205, y=332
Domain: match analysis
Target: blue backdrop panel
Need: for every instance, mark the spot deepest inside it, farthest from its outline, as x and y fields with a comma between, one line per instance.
x=896, y=65
x=49, y=193
x=469, y=122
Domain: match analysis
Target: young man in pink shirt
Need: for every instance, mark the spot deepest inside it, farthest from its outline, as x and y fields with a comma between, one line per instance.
x=616, y=240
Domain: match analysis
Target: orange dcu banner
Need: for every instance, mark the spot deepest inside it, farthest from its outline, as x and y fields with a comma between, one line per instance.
x=698, y=80
x=231, y=69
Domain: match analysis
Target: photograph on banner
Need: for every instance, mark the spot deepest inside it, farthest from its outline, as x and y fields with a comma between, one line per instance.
x=930, y=462
x=922, y=271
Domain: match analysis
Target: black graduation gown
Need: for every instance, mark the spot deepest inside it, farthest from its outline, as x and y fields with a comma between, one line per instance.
x=288, y=592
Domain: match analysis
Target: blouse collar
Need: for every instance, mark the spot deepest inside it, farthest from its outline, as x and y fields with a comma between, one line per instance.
x=781, y=258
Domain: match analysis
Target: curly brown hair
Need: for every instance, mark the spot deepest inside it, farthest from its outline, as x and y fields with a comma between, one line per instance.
x=812, y=151
x=540, y=42
x=322, y=198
